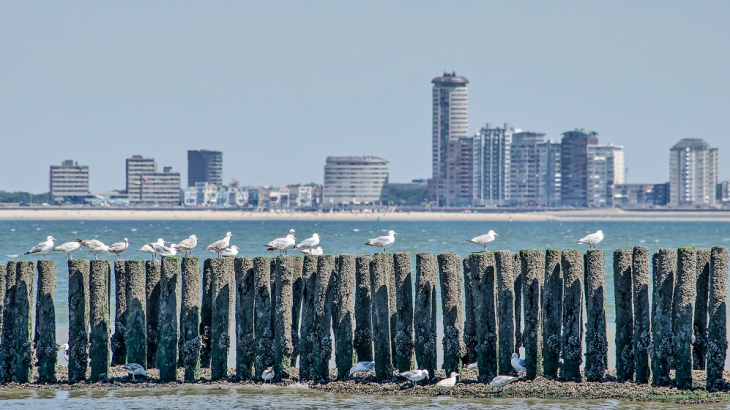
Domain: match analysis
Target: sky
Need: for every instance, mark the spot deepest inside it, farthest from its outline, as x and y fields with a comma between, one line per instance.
x=280, y=85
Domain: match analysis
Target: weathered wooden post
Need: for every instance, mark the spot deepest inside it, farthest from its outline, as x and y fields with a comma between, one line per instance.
x=322, y=340
x=99, y=319
x=245, y=345
x=552, y=313
x=262, y=331
x=533, y=271
x=363, y=339
x=683, y=315
x=189, y=344
x=169, y=298
x=274, y=302
x=572, y=345
x=206, y=315
x=699, y=345
x=78, y=319
x=344, y=313
x=118, y=339
x=623, y=297
x=21, y=310
x=7, y=348
x=152, y=274
x=717, y=324
x=296, y=310
x=519, y=279
x=425, y=312
x=505, y=310
x=470, y=326
x=222, y=288
x=451, y=304
x=309, y=301
x=665, y=267
x=595, y=293
x=136, y=320
x=285, y=266
x=3, y=277
x=482, y=277
x=380, y=270
x=392, y=312
x=642, y=323
x=45, y=322
x=403, y=358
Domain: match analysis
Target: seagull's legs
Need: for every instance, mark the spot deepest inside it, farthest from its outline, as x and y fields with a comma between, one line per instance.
x=485, y=248
x=96, y=257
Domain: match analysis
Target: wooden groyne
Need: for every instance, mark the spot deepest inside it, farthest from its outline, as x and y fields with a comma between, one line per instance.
x=290, y=312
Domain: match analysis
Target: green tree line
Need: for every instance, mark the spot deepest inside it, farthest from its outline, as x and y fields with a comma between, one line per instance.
x=20, y=196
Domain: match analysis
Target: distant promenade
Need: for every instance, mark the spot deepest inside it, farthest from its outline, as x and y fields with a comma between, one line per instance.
x=183, y=214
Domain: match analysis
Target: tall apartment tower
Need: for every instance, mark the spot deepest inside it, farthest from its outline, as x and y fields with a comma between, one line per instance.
x=69, y=182
x=136, y=167
x=574, y=166
x=692, y=173
x=353, y=180
x=205, y=166
x=450, y=109
x=493, y=146
x=605, y=169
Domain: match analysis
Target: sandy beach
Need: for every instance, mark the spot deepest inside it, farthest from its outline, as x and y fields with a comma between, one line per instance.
x=228, y=215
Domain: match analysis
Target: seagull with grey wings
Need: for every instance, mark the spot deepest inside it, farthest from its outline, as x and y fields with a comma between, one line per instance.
x=312, y=251
x=118, y=247
x=282, y=244
x=95, y=246
x=135, y=369
x=501, y=381
x=415, y=375
x=187, y=245
x=42, y=248
x=383, y=242
x=220, y=245
x=591, y=239
x=308, y=243
x=362, y=367
x=68, y=248
x=518, y=364
x=150, y=247
x=484, y=240
x=230, y=251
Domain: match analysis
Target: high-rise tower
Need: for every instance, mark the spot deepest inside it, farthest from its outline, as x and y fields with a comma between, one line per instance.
x=205, y=166
x=692, y=173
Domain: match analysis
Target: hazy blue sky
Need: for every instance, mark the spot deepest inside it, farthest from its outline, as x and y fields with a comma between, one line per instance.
x=278, y=86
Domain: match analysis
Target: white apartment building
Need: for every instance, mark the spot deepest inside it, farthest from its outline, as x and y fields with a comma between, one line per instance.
x=355, y=180
x=68, y=182
x=692, y=173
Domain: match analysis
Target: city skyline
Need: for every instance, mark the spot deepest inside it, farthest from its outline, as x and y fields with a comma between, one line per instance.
x=282, y=80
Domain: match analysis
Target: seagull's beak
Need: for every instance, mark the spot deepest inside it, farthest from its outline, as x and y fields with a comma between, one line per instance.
x=496, y=234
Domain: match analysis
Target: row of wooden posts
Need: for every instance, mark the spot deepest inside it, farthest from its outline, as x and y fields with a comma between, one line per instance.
x=168, y=315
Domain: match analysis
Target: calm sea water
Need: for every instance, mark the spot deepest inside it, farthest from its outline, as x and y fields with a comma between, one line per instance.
x=339, y=237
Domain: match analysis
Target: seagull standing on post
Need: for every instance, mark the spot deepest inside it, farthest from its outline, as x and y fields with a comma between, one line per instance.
x=150, y=247
x=383, y=242
x=485, y=239
x=282, y=244
x=308, y=243
x=187, y=245
x=95, y=246
x=68, y=248
x=592, y=239
x=219, y=246
x=42, y=248
x=118, y=247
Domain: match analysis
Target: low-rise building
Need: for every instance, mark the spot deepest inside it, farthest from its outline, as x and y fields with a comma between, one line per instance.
x=355, y=180
x=69, y=182
x=161, y=188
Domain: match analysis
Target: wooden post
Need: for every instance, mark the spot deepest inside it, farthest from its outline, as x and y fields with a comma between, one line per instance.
x=665, y=267
x=21, y=310
x=99, y=319
x=222, y=288
x=717, y=324
x=505, y=311
x=169, y=298
x=309, y=301
x=533, y=271
x=343, y=314
x=245, y=345
x=322, y=340
x=380, y=270
x=285, y=266
x=118, y=340
x=518, y=283
x=572, y=345
x=206, y=315
x=482, y=276
x=3, y=279
x=642, y=323
x=425, y=312
x=363, y=339
x=450, y=278
x=623, y=297
x=403, y=359
x=470, y=326
x=78, y=318
x=152, y=274
x=699, y=345
x=262, y=321
x=683, y=315
x=595, y=293
x=552, y=313
x=136, y=320
x=45, y=323
x=7, y=348
x=297, y=288
x=189, y=344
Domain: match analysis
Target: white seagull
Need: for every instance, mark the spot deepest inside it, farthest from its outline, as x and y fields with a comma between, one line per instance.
x=219, y=246
x=484, y=240
x=69, y=248
x=309, y=242
x=501, y=381
x=474, y=365
x=518, y=364
x=65, y=348
x=118, y=247
x=230, y=251
x=42, y=248
x=150, y=247
x=592, y=239
x=167, y=250
x=95, y=246
x=135, y=370
x=268, y=375
x=187, y=245
x=362, y=367
x=449, y=382
x=415, y=375
x=282, y=244
x=383, y=241
x=312, y=251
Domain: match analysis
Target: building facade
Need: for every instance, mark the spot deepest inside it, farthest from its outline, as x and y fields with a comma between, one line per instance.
x=605, y=169
x=450, y=111
x=69, y=182
x=135, y=168
x=161, y=188
x=692, y=173
x=640, y=195
x=574, y=166
x=493, y=146
x=205, y=166
x=355, y=180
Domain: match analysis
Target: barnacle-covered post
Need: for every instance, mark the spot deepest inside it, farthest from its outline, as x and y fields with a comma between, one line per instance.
x=322, y=346
x=284, y=273
x=262, y=332
x=152, y=273
x=482, y=276
x=665, y=268
x=99, y=319
x=78, y=318
x=381, y=268
x=309, y=301
x=45, y=322
x=363, y=339
x=169, y=299
x=118, y=340
x=136, y=321
x=699, y=345
x=245, y=345
x=717, y=324
x=533, y=270
x=343, y=313
x=572, y=346
x=450, y=278
x=642, y=322
x=403, y=359
x=595, y=292
x=623, y=297
x=505, y=310
x=683, y=315
x=552, y=313
x=189, y=345
x=424, y=320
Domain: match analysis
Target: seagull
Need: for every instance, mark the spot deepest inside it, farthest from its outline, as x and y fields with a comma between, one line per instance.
x=484, y=240
x=42, y=248
x=187, y=245
x=501, y=381
x=69, y=248
x=167, y=250
x=308, y=243
x=230, y=251
x=592, y=239
x=65, y=348
x=219, y=246
x=118, y=247
x=415, y=375
x=362, y=367
x=283, y=244
x=312, y=251
x=95, y=246
x=474, y=365
x=383, y=241
x=448, y=383
x=268, y=375
x=150, y=247
x=135, y=369
x=518, y=364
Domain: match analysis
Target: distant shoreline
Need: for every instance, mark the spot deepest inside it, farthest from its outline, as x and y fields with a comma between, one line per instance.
x=58, y=214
